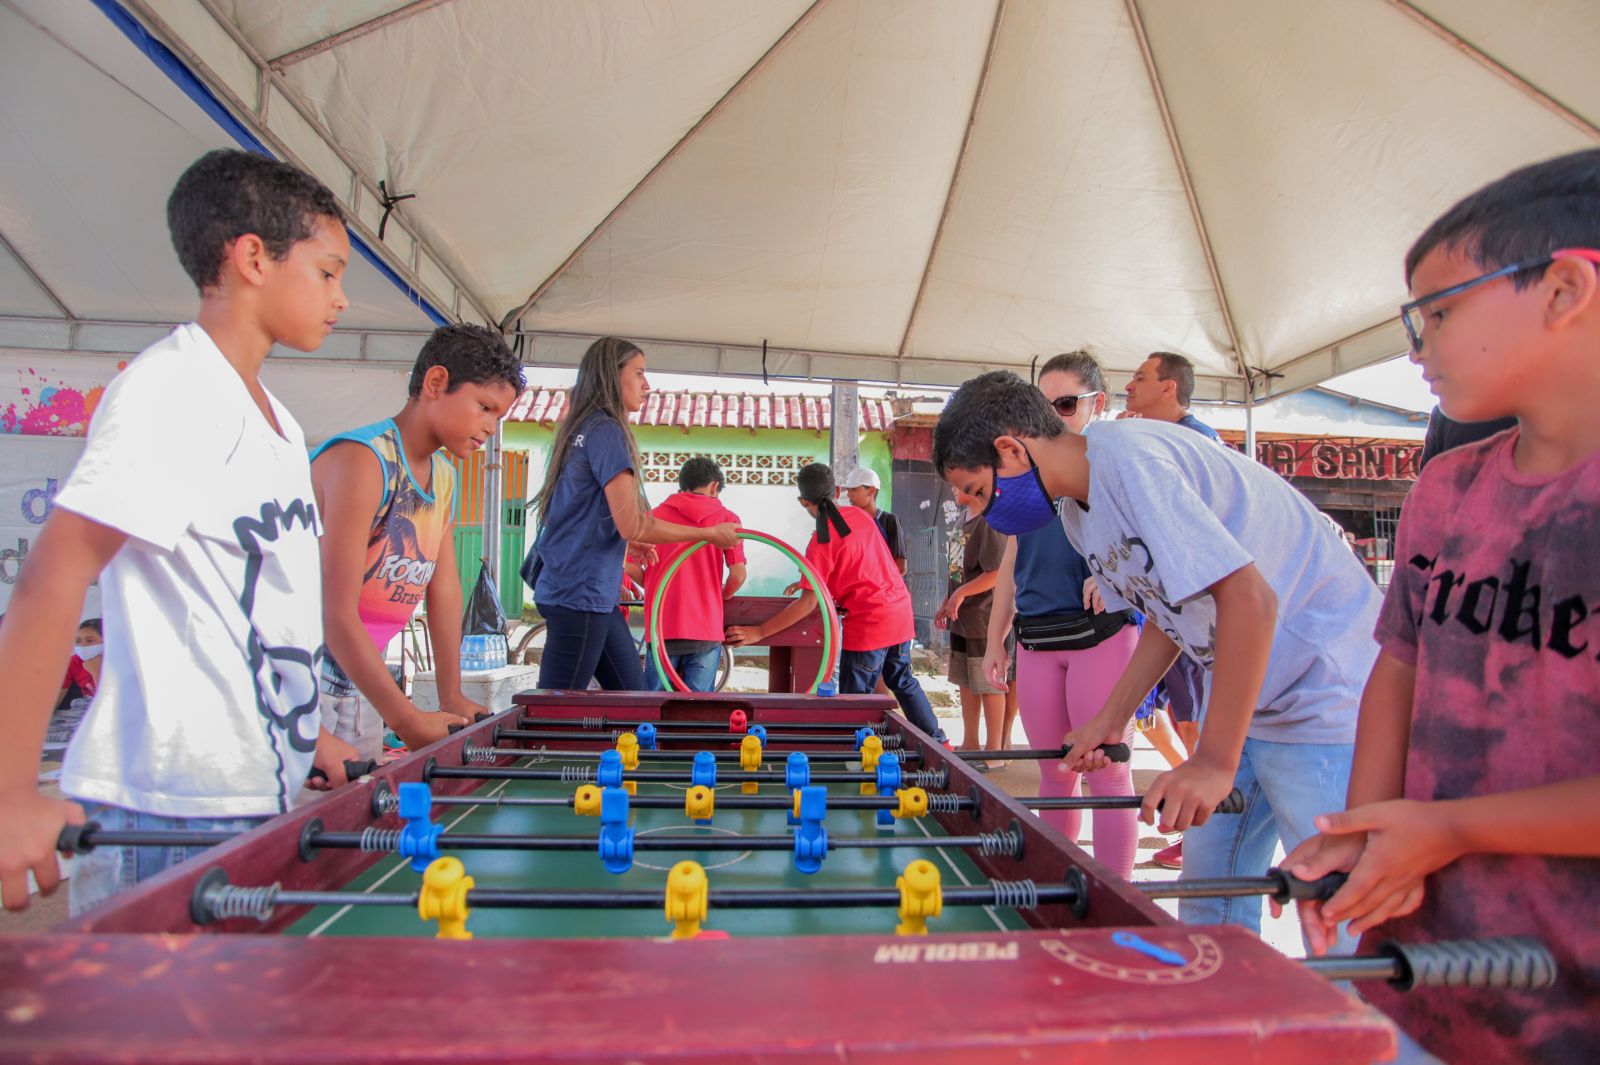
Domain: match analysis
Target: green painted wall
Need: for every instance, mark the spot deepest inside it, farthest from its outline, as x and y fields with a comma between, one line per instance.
x=760, y=467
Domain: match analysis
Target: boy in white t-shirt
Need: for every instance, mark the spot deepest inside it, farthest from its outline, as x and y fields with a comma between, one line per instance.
x=1233, y=568
x=193, y=504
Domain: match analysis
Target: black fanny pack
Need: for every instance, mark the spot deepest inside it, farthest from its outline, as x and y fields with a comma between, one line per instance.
x=1076, y=630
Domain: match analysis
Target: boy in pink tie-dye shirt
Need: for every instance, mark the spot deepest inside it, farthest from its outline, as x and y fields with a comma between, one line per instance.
x=1474, y=807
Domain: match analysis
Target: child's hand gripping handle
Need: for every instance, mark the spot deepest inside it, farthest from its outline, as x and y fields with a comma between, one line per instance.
x=352, y=770
x=1292, y=887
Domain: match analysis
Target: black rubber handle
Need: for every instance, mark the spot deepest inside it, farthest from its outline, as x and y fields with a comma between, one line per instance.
x=479, y=716
x=74, y=838
x=1117, y=752
x=1292, y=887
x=1233, y=804
x=352, y=770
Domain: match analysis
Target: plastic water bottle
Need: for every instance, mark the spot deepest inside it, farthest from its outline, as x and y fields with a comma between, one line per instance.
x=471, y=653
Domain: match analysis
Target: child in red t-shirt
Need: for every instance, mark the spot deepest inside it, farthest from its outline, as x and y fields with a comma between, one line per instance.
x=850, y=556
x=691, y=616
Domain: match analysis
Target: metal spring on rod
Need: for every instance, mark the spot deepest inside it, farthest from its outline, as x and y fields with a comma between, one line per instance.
x=577, y=774
x=1007, y=843
x=383, y=840
x=595, y=723
x=892, y=741
x=474, y=755
x=930, y=778
x=1018, y=894
x=944, y=803
x=387, y=803
x=226, y=901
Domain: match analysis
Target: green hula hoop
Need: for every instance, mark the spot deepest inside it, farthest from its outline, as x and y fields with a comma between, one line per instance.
x=831, y=630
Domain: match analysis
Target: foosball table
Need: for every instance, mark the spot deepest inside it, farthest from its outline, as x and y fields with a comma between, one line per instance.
x=674, y=877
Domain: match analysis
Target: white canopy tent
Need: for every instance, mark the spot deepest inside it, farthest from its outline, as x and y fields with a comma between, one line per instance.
x=904, y=191
x=881, y=190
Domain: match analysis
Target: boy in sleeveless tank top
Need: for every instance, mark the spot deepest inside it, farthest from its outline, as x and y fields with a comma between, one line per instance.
x=387, y=495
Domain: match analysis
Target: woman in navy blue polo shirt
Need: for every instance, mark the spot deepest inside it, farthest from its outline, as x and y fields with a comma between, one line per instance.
x=591, y=507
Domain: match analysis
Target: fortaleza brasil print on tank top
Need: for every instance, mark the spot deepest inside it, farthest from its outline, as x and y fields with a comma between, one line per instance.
x=402, y=544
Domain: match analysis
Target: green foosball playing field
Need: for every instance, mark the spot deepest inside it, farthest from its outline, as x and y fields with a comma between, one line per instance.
x=583, y=870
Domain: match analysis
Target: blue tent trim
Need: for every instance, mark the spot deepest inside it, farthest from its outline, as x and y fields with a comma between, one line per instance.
x=174, y=68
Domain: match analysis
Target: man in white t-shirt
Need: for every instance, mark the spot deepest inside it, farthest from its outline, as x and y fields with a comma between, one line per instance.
x=1233, y=568
x=193, y=504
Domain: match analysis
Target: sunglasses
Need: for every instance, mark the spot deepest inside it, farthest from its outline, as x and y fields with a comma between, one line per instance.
x=1067, y=406
x=1411, y=313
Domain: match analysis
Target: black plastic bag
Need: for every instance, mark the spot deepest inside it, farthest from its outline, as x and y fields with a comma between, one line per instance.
x=483, y=616
x=483, y=626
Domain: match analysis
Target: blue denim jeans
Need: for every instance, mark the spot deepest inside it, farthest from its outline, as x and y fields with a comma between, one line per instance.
x=699, y=671
x=580, y=646
x=104, y=871
x=1285, y=785
x=859, y=672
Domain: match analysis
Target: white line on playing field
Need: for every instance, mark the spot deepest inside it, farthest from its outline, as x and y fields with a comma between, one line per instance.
x=956, y=869
x=341, y=911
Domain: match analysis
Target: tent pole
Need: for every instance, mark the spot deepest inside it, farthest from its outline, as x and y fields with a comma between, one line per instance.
x=1249, y=420
x=844, y=436
x=493, y=490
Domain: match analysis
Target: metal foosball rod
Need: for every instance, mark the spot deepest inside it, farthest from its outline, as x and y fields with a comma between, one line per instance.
x=941, y=802
x=612, y=723
x=1520, y=963
x=685, y=755
x=927, y=778
x=84, y=838
x=1232, y=804
x=1117, y=752
x=1005, y=843
x=892, y=741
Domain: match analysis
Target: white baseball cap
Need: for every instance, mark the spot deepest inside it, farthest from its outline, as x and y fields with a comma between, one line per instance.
x=862, y=478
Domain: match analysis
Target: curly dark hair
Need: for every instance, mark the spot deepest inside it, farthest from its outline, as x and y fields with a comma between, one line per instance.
x=991, y=405
x=700, y=471
x=227, y=193
x=472, y=354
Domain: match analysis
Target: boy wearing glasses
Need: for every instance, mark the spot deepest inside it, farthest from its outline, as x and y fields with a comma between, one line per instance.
x=1474, y=807
x=1231, y=567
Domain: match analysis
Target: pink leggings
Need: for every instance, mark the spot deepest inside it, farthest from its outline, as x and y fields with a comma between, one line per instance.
x=1058, y=691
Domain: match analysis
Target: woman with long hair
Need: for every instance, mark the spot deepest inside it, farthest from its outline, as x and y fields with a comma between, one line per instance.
x=1069, y=655
x=590, y=508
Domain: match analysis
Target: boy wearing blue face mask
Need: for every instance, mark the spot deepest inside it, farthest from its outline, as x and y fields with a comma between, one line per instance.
x=1233, y=568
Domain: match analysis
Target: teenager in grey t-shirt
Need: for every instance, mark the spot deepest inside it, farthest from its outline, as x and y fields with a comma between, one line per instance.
x=1234, y=569
x=1170, y=514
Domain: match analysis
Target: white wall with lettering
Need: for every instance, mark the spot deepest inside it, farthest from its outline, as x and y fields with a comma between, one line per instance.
x=32, y=470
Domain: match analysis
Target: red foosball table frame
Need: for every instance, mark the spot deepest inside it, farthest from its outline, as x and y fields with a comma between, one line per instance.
x=137, y=979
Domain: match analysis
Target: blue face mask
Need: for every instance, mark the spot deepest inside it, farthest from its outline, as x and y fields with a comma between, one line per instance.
x=1020, y=504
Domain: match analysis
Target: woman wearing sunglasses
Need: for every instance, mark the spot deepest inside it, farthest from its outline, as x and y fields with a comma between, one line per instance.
x=1068, y=655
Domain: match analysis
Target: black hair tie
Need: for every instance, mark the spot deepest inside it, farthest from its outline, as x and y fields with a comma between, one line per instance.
x=828, y=514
